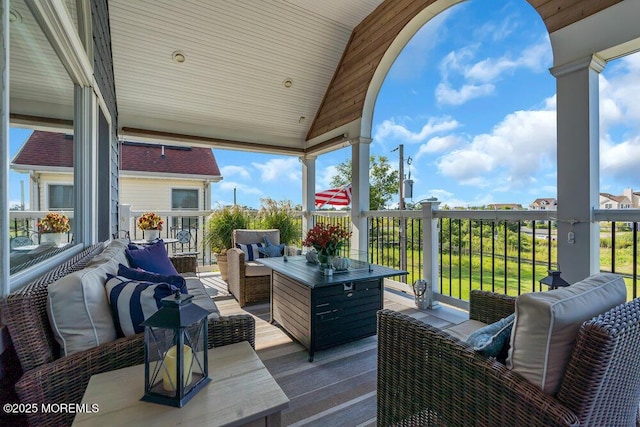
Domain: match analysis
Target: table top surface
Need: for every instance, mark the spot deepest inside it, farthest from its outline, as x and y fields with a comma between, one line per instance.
x=309, y=274
x=241, y=390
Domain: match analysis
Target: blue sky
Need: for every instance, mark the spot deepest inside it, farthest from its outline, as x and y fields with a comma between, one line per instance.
x=472, y=100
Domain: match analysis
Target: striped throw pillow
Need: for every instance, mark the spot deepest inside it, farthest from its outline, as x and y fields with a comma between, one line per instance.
x=133, y=301
x=251, y=251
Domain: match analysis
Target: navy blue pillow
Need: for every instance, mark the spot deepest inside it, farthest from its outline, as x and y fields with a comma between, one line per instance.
x=153, y=258
x=133, y=301
x=146, y=276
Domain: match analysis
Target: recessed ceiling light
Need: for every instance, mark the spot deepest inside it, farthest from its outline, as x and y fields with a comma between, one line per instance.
x=287, y=83
x=179, y=57
x=302, y=119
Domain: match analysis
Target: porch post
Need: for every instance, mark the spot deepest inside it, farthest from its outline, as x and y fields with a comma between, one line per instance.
x=430, y=244
x=4, y=157
x=578, y=157
x=360, y=196
x=308, y=192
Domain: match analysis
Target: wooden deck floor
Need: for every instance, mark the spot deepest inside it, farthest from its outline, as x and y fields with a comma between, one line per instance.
x=339, y=387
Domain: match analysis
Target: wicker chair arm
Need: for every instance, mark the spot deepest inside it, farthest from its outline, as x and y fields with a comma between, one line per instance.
x=65, y=380
x=186, y=263
x=427, y=377
x=489, y=307
x=232, y=329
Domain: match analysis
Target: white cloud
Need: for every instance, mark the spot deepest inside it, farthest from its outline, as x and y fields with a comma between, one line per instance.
x=390, y=130
x=479, y=77
x=279, y=169
x=439, y=144
x=231, y=170
x=510, y=157
x=445, y=94
x=621, y=160
x=240, y=188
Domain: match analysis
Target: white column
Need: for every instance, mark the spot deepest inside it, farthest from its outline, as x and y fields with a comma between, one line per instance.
x=308, y=192
x=4, y=156
x=578, y=167
x=430, y=243
x=360, y=196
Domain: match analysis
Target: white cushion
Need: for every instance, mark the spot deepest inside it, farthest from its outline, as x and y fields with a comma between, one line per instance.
x=201, y=297
x=256, y=269
x=79, y=311
x=113, y=250
x=547, y=324
x=256, y=236
x=464, y=329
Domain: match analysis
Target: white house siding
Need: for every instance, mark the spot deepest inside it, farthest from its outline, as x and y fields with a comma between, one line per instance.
x=45, y=179
x=155, y=194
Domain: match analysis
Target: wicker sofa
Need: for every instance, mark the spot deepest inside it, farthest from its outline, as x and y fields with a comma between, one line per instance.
x=428, y=377
x=49, y=378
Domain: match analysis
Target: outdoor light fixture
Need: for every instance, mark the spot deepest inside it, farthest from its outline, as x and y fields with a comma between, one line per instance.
x=176, y=364
x=553, y=280
x=287, y=83
x=179, y=57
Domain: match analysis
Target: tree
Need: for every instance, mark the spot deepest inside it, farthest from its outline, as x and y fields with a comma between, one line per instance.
x=383, y=180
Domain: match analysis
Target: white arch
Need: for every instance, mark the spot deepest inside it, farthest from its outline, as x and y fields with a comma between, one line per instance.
x=608, y=34
x=390, y=56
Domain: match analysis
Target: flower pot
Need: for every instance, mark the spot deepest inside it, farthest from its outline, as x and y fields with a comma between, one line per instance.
x=151, y=235
x=53, y=238
x=222, y=265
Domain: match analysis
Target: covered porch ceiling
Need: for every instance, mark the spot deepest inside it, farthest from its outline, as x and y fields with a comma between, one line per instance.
x=280, y=76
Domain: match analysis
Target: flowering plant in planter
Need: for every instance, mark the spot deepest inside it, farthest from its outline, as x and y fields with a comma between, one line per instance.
x=327, y=239
x=150, y=221
x=54, y=223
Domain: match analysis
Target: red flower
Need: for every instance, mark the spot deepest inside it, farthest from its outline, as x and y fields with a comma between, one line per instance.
x=327, y=239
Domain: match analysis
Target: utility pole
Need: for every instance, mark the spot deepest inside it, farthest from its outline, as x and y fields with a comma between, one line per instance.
x=235, y=189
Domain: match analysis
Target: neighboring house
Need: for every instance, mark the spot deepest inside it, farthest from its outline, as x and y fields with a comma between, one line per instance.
x=634, y=196
x=545, y=204
x=505, y=206
x=609, y=201
x=152, y=176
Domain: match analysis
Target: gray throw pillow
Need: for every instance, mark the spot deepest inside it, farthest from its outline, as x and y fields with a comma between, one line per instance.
x=491, y=339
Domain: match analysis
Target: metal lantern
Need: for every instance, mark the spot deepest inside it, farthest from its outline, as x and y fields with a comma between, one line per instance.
x=553, y=280
x=176, y=364
x=423, y=294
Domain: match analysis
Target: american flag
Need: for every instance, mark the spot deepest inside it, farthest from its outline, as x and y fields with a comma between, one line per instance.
x=334, y=196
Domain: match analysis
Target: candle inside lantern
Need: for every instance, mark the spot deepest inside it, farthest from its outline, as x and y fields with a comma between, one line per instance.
x=169, y=379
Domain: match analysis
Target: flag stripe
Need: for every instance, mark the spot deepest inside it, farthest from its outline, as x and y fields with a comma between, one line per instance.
x=334, y=196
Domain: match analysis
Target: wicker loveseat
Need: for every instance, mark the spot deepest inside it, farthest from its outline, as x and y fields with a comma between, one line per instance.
x=428, y=377
x=49, y=378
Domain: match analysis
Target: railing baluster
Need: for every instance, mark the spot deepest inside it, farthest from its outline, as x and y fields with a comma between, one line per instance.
x=493, y=256
x=613, y=246
x=481, y=256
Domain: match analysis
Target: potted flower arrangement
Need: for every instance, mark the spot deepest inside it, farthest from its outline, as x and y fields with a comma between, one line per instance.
x=327, y=240
x=53, y=227
x=151, y=224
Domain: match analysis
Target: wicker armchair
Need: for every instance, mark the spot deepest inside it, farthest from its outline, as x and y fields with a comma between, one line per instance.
x=49, y=378
x=249, y=281
x=427, y=377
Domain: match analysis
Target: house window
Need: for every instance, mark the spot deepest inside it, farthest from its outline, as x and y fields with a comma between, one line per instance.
x=184, y=199
x=60, y=197
x=607, y=206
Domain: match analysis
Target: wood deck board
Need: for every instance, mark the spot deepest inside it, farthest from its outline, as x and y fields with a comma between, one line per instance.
x=339, y=387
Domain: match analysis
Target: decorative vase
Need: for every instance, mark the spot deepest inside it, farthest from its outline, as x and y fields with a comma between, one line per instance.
x=151, y=235
x=312, y=256
x=54, y=238
x=341, y=263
